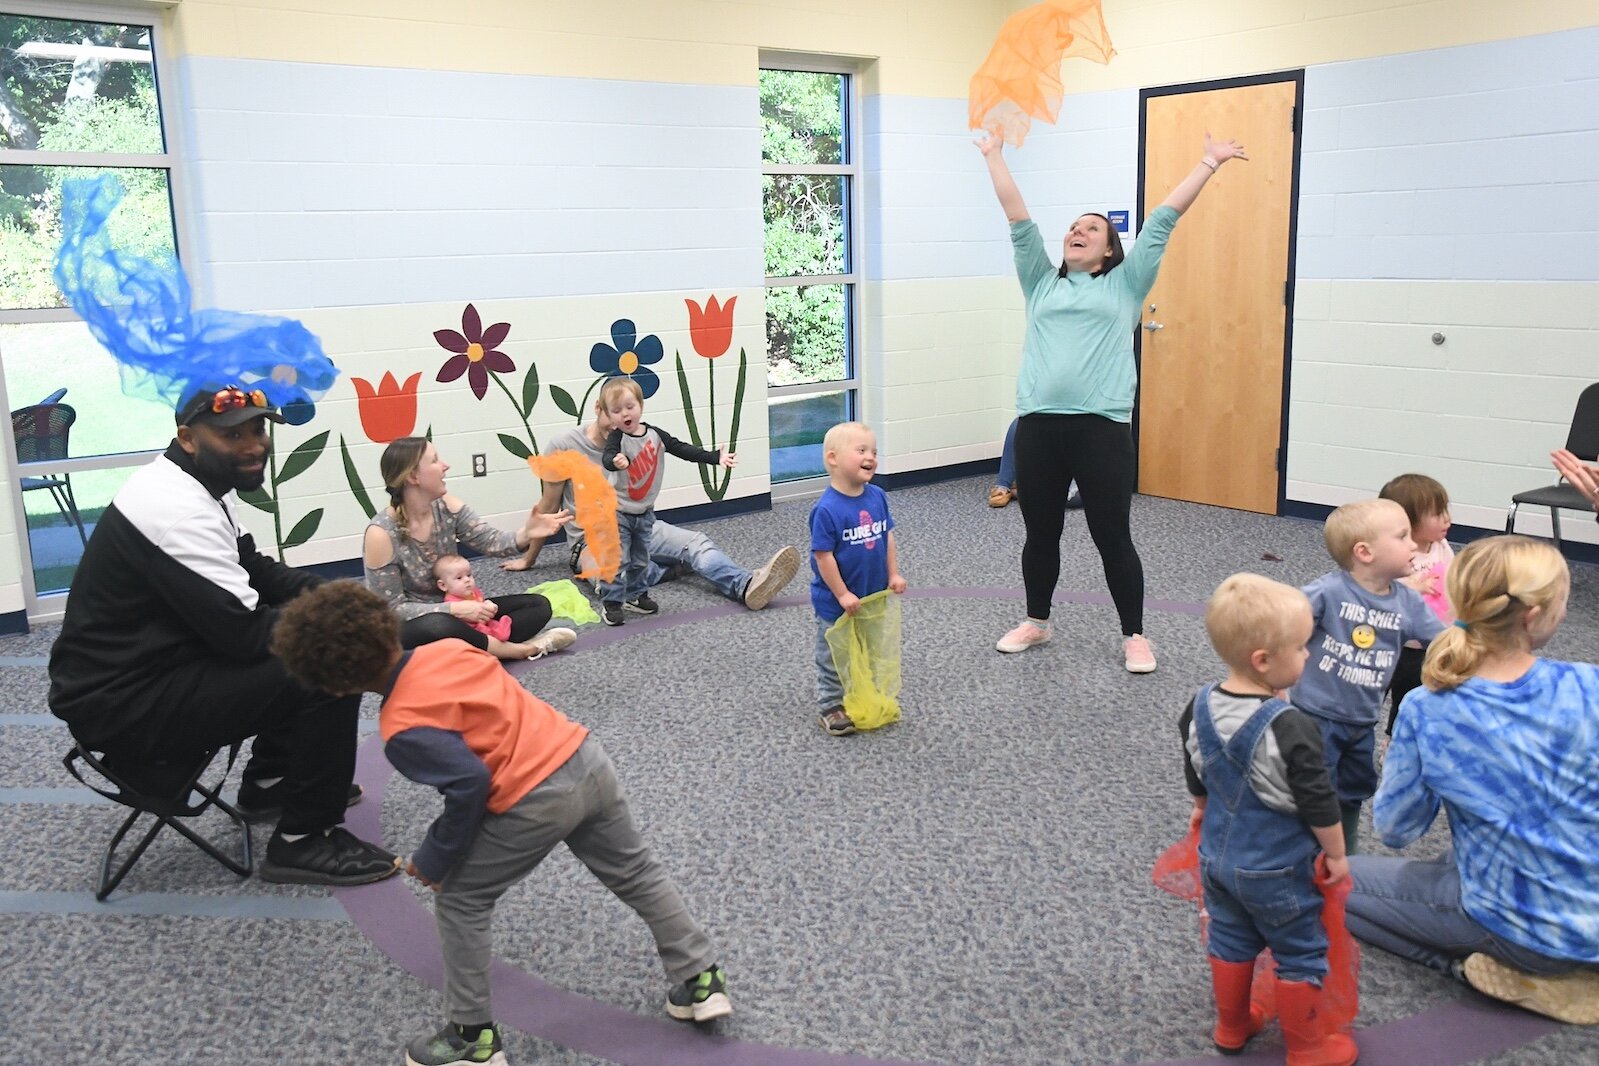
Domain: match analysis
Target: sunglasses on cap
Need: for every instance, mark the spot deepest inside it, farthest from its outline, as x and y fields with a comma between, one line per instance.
x=231, y=397
x=228, y=405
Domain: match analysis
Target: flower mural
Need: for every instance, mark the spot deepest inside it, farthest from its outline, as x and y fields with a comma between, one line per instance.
x=475, y=351
x=629, y=355
x=710, y=328
x=388, y=412
x=477, y=355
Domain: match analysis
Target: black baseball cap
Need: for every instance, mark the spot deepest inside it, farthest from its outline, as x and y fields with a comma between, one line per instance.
x=227, y=406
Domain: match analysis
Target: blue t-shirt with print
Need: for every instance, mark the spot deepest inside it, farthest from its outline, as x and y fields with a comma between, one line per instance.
x=855, y=529
x=1514, y=764
x=1355, y=646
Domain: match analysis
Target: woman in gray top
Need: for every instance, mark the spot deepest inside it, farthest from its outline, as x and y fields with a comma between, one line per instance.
x=423, y=522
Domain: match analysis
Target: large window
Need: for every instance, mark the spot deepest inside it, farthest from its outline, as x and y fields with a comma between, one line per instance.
x=810, y=190
x=79, y=97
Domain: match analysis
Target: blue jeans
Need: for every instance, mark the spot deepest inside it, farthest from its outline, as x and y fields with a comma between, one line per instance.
x=634, y=530
x=1412, y=909
x=673, y=545
x=1007, y=459
x=829, y=689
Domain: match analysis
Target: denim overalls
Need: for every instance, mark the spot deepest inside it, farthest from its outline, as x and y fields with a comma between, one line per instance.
x=1257, y=864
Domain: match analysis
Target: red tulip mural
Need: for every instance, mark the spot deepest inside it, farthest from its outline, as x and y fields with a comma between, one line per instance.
x=710, y=328
x=388, y=412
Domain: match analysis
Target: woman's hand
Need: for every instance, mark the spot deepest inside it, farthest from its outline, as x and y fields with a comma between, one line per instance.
x=540, y=525
x=728, y=459
x=1584, y=478
x=1219, y=152
x=470, y=611
x=990, y=144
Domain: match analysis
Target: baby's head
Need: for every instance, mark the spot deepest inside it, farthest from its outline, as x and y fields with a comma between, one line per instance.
x=849, y=451
x=1370, y=537
x=1260, y=628
x=1426, y=504
x=454, y=575
x=623, y=403
x=340, y=637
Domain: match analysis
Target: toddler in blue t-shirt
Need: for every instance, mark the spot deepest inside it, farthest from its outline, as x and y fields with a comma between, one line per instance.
x=852, y=553
x=1364, y=615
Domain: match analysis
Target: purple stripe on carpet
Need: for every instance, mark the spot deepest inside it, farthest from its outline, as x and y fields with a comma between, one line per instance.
x=389, y=915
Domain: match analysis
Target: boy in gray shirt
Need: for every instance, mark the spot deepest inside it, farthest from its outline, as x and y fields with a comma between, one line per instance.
x=1363, y=616
x=632, y=457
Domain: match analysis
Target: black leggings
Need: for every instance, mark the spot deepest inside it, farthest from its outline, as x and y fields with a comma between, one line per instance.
x=529, y=613
x=1052, y=451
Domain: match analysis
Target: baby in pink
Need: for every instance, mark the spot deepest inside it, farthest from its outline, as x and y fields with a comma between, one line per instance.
x=454, y=575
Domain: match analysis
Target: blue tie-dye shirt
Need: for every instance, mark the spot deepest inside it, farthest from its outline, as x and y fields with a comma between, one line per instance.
x=1517, y=767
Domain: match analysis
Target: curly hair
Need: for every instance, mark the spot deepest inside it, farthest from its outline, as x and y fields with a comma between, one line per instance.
x=340, y=637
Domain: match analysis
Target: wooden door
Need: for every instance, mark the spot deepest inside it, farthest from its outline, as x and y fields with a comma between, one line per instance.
x=1211, y=391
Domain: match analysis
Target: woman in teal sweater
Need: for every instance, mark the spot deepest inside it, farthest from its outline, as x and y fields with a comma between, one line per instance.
x=1074, y=392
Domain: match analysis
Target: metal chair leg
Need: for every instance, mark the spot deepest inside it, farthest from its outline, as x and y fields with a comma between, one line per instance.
x=1510, y=519
x=1554, y=524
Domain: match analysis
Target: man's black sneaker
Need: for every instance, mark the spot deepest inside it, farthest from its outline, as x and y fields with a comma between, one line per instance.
x=701, y=998
x=332, y=857
x=613, y=614
x=259, y=804
x=642, y=604
x=448, y=1046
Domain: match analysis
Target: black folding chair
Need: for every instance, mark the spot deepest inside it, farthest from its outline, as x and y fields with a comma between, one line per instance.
x=169, y=791
x=1583, y=442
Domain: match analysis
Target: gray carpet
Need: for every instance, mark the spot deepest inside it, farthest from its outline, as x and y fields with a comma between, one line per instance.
x=968, y=886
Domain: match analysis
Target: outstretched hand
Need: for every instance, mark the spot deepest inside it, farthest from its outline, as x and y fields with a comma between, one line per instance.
x=1219, y=152
x=990, y=143
x=728, y=460
x=1584, y=478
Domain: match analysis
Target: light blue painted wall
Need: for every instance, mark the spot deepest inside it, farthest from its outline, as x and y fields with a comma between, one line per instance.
x=326, y=186
x=1471, y=163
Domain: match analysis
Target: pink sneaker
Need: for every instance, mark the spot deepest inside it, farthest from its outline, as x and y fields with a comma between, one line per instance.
x=1023, y=637
x=1139, y=655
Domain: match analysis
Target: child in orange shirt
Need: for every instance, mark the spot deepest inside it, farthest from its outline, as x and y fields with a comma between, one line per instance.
x=517, y=776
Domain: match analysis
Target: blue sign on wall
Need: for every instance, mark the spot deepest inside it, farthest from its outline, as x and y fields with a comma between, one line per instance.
x=1118, y=219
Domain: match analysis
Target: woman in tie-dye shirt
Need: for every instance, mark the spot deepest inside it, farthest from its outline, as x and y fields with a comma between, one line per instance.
x=1508, y=743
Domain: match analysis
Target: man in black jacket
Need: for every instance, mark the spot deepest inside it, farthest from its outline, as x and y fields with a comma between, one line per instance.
x=163, y=653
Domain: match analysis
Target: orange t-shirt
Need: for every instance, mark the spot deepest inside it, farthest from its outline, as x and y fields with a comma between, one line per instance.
x=453, y=686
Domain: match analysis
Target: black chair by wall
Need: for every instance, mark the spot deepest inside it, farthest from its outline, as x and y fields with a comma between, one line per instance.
x=1583, y=442
x=41, y=432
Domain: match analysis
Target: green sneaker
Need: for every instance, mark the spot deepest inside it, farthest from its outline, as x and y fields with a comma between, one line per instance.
x=448, y=1046
x=701, y=998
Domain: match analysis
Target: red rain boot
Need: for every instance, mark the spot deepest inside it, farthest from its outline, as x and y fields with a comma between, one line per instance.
x=1309, y=1044
x=1236, y=1018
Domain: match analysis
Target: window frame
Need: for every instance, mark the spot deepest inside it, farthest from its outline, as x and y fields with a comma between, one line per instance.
x=853, y=171
x=51, y=606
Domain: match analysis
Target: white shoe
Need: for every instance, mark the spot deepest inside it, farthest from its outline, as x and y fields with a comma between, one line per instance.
x=552, y=640
x=771, y=579
x=1028, y=634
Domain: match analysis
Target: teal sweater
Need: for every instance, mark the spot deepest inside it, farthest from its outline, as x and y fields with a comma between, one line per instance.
x=1077, y=358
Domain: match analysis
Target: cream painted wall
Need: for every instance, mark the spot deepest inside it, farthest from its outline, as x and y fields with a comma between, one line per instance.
x=922, y=47
x=1171, y=42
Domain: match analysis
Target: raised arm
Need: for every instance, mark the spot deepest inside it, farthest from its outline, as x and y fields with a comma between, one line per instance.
x=1216, y=153
x=1010, y=197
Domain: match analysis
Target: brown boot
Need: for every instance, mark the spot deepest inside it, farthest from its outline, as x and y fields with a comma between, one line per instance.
x=1236, y=1018
x=1309, y=1044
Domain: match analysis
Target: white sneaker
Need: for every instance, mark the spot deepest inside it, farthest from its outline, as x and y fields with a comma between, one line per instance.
x=552, y=640
x=771, y=579
x=1138, y=654
x=1024, y=636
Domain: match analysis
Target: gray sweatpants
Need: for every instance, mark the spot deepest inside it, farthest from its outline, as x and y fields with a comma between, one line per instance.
x=582, y=804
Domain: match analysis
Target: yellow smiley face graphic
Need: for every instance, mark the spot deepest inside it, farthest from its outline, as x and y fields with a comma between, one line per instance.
x=1364, y=637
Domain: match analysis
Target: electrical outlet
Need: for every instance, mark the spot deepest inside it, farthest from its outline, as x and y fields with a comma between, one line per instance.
x=480, y=465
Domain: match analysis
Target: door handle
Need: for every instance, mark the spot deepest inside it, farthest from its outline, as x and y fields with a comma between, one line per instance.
x=1153, y=326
